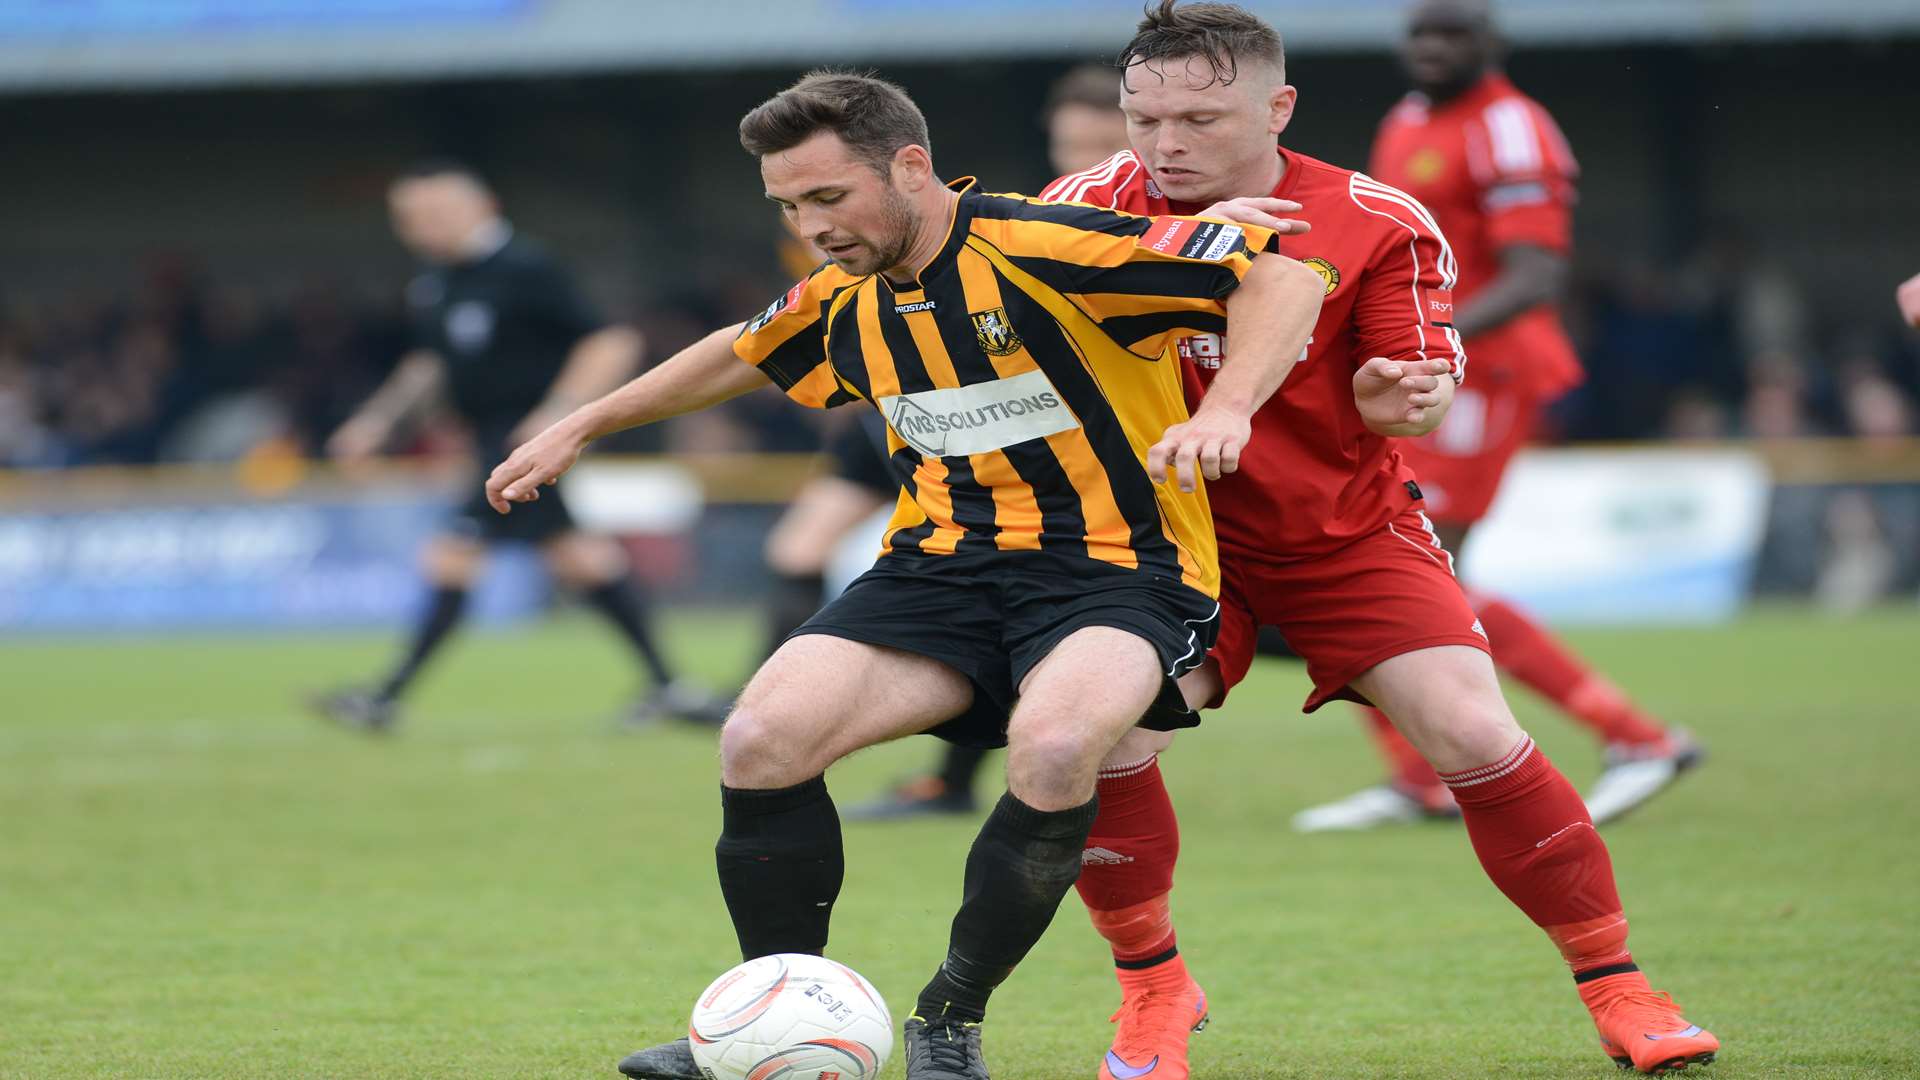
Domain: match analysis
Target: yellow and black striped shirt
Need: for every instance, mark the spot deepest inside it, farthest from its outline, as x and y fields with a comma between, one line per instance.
x=1022, y=376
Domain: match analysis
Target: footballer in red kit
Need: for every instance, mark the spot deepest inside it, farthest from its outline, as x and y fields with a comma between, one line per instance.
x=1321, y=526
x=1496, y=173
x=1322, y=535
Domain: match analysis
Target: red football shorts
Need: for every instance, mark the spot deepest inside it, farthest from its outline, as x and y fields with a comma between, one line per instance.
x=1343, y=612
x=1459, y=466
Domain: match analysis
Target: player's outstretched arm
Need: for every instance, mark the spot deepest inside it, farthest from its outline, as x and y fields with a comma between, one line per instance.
x=700, y=376
x=1403, y=398
x=1269, y=318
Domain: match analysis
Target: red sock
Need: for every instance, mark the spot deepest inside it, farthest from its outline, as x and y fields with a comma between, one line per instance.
x=1410, y=772
x=1126, y=871
x=1533, y=836
x=1530, y=653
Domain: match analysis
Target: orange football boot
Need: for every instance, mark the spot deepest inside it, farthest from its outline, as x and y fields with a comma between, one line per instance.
x=1157, y=1014
x=1641, y=1028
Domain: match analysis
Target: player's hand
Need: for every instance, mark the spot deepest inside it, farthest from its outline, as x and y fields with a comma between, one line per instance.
x=1909, y=297
x=534, y=464
x=1264, y=212
x=1396, y=393
x=1208, y=445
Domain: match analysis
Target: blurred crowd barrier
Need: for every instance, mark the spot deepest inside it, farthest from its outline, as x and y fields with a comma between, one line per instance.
x=1635, y=533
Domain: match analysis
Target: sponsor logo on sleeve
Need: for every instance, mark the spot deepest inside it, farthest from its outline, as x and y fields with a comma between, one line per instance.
x=960, y=420
x=774, y=309
x=1186, y=238
x=1440, y=307
x=1168, y=235
x=1222, y=244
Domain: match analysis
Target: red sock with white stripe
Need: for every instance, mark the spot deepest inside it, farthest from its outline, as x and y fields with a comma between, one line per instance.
x=1127, y=869
x=1530, y=653
x=1532, y=833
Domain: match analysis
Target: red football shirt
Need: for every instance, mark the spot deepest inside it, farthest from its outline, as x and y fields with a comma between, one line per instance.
x=1314, y=478
x=1495, y=171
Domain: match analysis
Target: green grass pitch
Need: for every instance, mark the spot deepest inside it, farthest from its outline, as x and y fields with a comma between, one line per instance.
x=196, y=880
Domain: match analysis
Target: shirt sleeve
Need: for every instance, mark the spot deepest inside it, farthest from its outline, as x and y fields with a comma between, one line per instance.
x=788, y=343
x=556, y=298
x=1528, y=190
x=1404, y=309
x=1145, y=280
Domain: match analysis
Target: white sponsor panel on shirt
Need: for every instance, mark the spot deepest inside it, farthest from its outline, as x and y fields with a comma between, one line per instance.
x=962, y=420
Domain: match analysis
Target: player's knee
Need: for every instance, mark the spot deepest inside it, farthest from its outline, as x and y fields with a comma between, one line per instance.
x=1468, y=726
x=759, y=748
x=1051, y=766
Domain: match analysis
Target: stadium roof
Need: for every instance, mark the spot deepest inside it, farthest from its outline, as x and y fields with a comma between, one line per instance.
x=125, y=44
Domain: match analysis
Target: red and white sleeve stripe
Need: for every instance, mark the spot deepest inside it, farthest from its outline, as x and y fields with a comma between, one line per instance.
x=1098, y=185
x=1428, y=314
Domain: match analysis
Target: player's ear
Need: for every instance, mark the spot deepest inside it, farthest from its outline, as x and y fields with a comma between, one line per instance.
x=1280, y=108
x=912, y=167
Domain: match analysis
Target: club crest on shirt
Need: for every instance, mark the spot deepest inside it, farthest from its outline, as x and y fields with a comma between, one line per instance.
x=994, y=332
x=1426, y=165
x=1329, y=273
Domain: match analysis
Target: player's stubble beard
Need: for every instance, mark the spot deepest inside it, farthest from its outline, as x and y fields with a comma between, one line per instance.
x=900, y=224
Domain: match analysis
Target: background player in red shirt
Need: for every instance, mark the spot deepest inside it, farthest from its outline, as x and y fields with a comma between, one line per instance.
x=1322, y=536
x=1497, y=175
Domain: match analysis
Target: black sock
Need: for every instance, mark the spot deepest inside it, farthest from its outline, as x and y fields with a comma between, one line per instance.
x=780, y=866
x=619, y=600
x=1022, y=864
x=792, y=601
x=443, y=612
x=959, y=765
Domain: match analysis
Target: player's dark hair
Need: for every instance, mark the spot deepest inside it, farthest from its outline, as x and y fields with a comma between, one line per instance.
x=1224, y=35
x=435, y=167
x=872, y=116
x=1097, y=86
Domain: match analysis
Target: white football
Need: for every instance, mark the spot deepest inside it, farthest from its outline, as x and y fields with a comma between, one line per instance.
x=791, y=1017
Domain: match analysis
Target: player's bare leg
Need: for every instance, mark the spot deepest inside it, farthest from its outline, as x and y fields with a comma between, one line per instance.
x=451, y=564
x=1536, y=841
x=1074, y=706
x=817, y=699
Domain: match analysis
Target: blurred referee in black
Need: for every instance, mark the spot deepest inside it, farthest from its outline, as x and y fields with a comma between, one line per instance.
x=503, y=335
